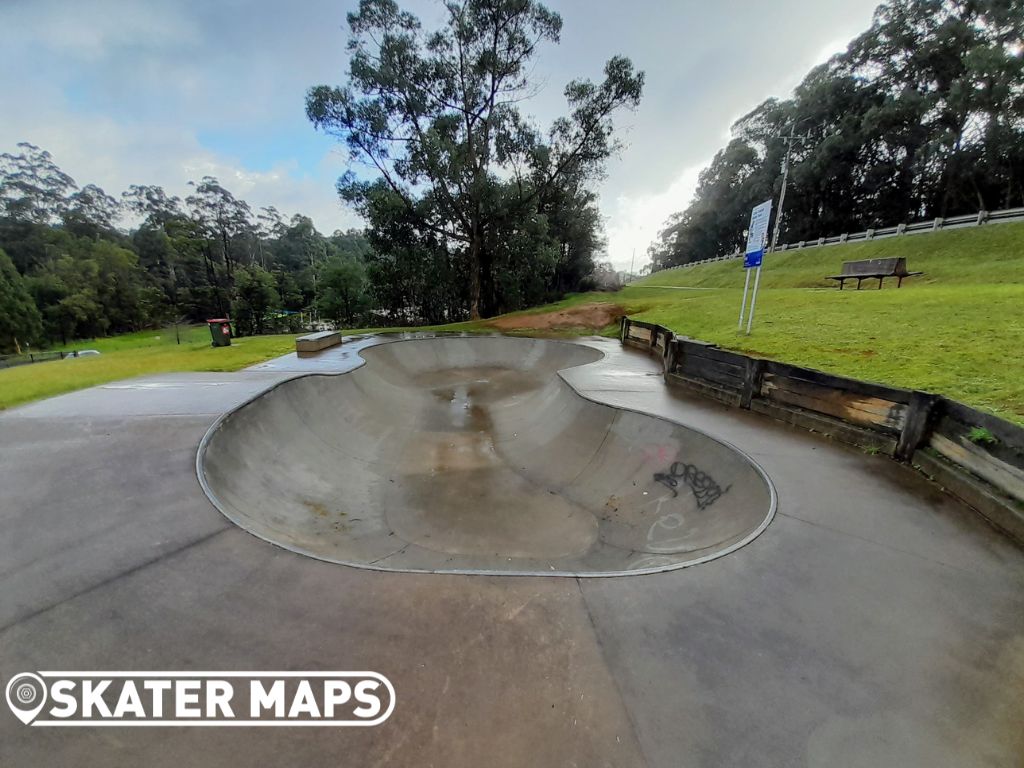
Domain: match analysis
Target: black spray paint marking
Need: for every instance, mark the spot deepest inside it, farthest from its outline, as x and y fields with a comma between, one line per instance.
x=704, y=487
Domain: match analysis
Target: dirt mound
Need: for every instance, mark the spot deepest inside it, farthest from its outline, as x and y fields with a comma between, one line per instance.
x=591, y=317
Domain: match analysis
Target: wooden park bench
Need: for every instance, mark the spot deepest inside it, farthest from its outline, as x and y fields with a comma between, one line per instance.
x=873, y=268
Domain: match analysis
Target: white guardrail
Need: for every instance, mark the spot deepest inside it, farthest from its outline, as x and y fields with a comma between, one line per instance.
x=932, y=225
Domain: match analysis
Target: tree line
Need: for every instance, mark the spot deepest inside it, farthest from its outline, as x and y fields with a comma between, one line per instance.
x=921, y=117
x=68, y=271
x=471, y=209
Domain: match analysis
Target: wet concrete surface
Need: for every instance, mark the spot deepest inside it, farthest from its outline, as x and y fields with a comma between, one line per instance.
x=473, y=455
x=875, y=622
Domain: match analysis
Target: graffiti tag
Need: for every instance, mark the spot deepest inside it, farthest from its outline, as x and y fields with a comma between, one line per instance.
x=704, y=487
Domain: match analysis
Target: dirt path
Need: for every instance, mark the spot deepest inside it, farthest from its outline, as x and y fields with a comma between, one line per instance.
x=594, y=317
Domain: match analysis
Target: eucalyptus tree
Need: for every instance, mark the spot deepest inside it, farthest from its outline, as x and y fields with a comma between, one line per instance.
x=222, y=216
x=32, y=186
x=435, y=116
x=269, y=224
x=91, y=208
x=152, y=204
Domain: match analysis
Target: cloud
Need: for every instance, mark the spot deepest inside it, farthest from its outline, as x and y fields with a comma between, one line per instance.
x=88, y=32
x=639, y=218
x=115, y=151
x=115, y=156
x=123, y=92
x=706, y=65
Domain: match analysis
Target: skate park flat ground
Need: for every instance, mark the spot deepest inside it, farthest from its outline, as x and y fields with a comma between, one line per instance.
x=875, y=621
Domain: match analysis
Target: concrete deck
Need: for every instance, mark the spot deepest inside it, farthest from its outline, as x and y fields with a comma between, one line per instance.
x=875, y=622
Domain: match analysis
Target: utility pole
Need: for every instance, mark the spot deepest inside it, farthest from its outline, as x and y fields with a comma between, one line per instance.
x=785, y=178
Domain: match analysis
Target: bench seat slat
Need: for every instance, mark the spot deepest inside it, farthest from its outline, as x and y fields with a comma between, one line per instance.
x=873, y=269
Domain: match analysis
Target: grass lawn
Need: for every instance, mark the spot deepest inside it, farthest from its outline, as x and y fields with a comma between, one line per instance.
x=148, y=352
x=957, y=330
x=135, y=354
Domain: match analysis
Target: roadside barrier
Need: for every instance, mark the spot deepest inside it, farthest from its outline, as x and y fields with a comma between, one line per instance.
x=1008, y=215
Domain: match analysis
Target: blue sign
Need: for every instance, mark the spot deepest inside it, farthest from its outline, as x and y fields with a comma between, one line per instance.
x=757, y=234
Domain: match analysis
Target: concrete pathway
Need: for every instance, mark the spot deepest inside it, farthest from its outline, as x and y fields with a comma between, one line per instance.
x=875, y=622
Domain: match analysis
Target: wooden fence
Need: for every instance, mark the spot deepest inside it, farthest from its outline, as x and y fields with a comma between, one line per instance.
x=974, y=455
x=10, y=361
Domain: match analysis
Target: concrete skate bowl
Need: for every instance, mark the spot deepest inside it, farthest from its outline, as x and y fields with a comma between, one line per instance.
x=472, y=455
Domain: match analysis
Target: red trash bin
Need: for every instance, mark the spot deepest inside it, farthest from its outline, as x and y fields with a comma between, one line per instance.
x=220, y=332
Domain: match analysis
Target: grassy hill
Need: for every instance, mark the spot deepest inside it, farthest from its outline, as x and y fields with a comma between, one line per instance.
x=957, y=330
x=975, y=255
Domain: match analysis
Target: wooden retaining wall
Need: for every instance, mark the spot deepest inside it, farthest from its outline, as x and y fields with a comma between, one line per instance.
x=974, y=455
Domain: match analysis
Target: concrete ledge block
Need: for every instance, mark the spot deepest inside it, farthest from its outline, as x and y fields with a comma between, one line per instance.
x=314, y=342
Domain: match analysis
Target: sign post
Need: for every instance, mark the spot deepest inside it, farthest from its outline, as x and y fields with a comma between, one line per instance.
x=743, y=304
x=757, y=238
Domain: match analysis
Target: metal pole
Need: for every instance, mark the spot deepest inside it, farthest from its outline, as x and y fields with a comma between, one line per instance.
x=782, y=199
x=785, y=178
x=743, y=304
x=753, y=298
x=775, y=234
x=631, y=261
x=778, y=223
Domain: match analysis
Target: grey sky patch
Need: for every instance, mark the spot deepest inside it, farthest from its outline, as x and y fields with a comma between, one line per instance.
x=128, y=92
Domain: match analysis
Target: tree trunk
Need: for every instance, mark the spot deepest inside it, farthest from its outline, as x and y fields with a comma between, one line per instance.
x=211, y=276
x=474, y=275
x=488, y=296
x=225, y=242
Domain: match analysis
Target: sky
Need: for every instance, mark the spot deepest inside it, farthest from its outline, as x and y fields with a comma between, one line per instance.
x=142, y=92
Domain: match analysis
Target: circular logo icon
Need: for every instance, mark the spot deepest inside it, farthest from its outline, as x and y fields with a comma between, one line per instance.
x=26, y=695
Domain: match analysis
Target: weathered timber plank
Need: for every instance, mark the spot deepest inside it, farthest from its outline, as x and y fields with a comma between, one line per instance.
x=718, y=355
x=728, y=376
x=869, y=388
x=916, y=425
x=1005, y=477
x=751, y=380
x=1007, y=433
x=705, y=388
x=826, y=425
x=637, y=344
x=638, y=333
x=1000, y=510
x=642, y=324
x=876, y=406
x=958, y=431
x=841, y=404
x=732, y=369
